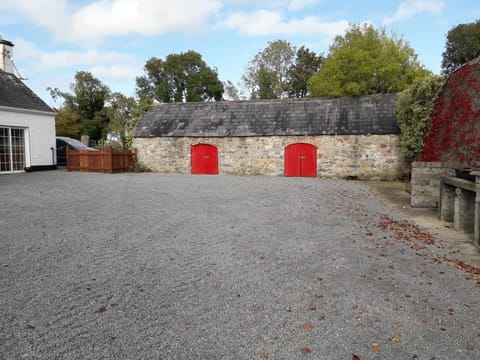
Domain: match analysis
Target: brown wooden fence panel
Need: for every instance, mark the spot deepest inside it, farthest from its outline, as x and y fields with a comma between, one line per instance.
x=104, y=161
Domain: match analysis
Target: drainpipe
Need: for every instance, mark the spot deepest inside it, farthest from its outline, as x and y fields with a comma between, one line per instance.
x=52, y=149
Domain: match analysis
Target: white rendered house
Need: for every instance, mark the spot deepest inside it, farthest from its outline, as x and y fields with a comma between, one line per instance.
x=27, y=123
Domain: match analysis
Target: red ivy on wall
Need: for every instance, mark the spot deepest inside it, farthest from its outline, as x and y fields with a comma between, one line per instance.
x=454, y=133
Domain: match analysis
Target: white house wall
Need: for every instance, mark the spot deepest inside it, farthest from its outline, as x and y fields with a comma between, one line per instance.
x=39, y=134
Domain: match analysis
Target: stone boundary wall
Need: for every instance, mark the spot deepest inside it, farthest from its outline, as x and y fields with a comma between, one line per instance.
x=425, y=183
x=375, y=157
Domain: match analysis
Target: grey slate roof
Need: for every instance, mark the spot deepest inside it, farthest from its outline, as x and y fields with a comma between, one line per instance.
x=343, y=116
x=15, y=94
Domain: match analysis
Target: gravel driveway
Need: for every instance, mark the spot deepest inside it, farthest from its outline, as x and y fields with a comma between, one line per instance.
x=150, y=266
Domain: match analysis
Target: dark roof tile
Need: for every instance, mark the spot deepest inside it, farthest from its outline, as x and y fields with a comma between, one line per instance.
x=343, y=116
x=15, y=94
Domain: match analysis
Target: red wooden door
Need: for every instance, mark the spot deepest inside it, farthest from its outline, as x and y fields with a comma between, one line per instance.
x=204, y=159
x=301, y=160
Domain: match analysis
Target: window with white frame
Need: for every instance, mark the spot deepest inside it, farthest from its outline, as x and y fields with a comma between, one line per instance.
x=12, y=149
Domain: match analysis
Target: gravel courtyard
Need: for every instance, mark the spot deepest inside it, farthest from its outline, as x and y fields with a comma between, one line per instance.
x=150, y=266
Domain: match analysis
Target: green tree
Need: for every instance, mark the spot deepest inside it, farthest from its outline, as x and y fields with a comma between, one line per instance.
x=462, y=45
x=142, y=106
x=413, y=110
x=366, y=61
x=87, y=100
x=231, y=92
x=266, y=76
x=306, y=64
x=120, y=111
x=181, y=77
x=68, y=123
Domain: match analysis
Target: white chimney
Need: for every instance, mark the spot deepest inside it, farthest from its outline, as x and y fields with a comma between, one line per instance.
x=6, y=56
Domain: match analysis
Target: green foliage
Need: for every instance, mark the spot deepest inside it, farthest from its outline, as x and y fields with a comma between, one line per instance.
x=231, y=92
x=307, y=64
x=414, y=109
x=143, y=105
x=87, y=101
x=139, y=167
x=463, y=45
x=120, y=111
x=68, y=123
x=181, y=77
x=366, y=61
x=266, y=75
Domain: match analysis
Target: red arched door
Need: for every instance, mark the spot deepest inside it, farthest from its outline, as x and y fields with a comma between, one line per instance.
x=301, y=160
x=204, y=159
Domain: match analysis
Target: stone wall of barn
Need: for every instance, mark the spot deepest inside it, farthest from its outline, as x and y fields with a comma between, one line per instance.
x=338, y=156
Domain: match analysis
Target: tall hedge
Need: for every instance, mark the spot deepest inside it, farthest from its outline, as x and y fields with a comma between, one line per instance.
x=414, y=109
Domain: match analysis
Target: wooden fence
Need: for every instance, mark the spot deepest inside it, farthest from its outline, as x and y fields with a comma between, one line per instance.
x=103, y=161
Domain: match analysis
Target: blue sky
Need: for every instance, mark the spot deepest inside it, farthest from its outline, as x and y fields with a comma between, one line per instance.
x=114, y=38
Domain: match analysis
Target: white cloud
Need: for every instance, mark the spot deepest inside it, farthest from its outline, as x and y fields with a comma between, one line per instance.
x=115, y=72
x=107, y=65
x=103, y=18
x=121, y=17
x=296, y=5
x=409, y=8
x=49, y=14
x=264, y=22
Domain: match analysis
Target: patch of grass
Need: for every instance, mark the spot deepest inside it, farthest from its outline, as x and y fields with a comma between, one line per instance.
x=139, y=167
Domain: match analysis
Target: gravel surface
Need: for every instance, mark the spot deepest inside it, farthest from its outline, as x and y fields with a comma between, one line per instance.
x=150, y=266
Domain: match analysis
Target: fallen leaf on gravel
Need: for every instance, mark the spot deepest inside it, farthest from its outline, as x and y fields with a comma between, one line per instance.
x=375, y=348
x=114, y=336
x=354, y=307
x=395, y=339
x=188, y=323
x=266, y=355
x=321, y=317
x=408, y=296
x=399, y=324
x=319, y=296
x=424, y=322
x=355, y=357
x=254, y=306
x=469, y=347
x=113, y=305
x=386, y=299
x=308, y=326
x=305, y=351
x=313, y=308
x=101, y=309
x=319, y=279
x=25, y=355
x=208, y=273
x=450, y=311
x=215, y=286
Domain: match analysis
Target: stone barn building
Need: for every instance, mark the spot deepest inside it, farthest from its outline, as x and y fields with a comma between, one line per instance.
x=338, y=138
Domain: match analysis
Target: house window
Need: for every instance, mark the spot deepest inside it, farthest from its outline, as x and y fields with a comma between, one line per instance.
x=12, y=149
